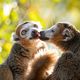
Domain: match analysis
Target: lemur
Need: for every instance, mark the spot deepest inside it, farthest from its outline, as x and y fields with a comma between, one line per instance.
x=21, y=63
x=67, y=38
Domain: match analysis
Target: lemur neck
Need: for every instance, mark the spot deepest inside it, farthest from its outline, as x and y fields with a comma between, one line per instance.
x=30, y=48
x=72, y=45
x=27, y=43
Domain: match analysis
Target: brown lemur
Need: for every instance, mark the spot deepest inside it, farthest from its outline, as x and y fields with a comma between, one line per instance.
x=67, y=38
x=22, y=63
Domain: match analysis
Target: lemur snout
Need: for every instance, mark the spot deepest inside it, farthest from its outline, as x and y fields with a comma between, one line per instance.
x=35, y=34
x=42, y=36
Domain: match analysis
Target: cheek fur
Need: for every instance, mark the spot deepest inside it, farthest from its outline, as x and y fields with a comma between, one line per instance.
x=56, y=39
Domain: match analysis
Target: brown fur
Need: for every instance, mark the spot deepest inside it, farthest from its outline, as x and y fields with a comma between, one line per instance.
x=19, y=59
x=42, y=66
x=68, y=65
x=57, y=39
x=16, y=66
x=22, y=57
x=5, y=72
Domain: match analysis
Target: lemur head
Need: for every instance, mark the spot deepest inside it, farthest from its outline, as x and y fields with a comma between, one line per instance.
x=60, y=32
x=27, y=31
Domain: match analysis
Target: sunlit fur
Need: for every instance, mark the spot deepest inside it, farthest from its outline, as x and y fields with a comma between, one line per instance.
x=68, y=66
x=42, y=66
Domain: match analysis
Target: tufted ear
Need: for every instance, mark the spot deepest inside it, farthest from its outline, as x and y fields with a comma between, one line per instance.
x=15, y=37
x=68, y=34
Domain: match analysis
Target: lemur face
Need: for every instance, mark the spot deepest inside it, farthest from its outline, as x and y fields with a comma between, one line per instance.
x=27, y=30
x=58, y=32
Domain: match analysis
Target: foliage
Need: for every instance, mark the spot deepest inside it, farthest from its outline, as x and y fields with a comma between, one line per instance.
x=47, y=12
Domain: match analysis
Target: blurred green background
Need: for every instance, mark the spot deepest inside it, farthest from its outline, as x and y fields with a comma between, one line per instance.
x=47, y=12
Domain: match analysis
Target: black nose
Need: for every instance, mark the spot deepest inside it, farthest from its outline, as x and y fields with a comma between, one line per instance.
x=43, y=36
x=34, y=32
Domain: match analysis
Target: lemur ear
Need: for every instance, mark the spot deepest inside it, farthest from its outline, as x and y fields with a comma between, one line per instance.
x=15, y=37
x=68, y=34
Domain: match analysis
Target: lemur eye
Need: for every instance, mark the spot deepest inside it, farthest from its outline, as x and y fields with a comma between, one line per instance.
x=23, y=32
x=35, y=25
x=52, y=30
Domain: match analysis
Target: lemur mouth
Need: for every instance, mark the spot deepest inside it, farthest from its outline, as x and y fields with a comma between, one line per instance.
x=35, y=35
x=42, y=36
